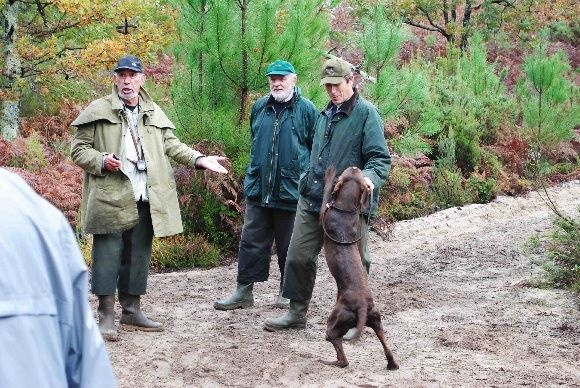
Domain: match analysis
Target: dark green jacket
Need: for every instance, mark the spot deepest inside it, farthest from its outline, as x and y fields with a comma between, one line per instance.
x=355, y=137
x=280, y=151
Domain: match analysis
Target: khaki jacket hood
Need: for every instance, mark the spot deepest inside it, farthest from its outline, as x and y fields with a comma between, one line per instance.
x=109, y=108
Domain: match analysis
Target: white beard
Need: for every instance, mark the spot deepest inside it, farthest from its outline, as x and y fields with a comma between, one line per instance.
x=130, y=96
x=283, y=96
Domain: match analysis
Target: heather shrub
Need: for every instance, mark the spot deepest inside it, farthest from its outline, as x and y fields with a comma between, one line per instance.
x=211, y=206
x=86, y=245
x=181, y=251
x=28, y=153
x=447, y=186
x=406, y=194
x=481, y=190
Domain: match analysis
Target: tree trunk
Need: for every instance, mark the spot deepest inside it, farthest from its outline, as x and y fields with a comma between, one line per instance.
x=244, y=89
x=465, y=26
x=11, y=106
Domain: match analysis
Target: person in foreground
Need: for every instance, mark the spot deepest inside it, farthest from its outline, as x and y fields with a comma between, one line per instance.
x=124, y=144
x=349, y=132
x=281, y=127
x=48, y=335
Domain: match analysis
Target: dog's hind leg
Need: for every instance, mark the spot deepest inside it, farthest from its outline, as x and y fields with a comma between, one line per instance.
x=374, y=322
x=341, y=361
x=337, y=325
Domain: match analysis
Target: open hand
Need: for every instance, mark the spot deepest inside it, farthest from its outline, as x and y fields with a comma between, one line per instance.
x=212, y=163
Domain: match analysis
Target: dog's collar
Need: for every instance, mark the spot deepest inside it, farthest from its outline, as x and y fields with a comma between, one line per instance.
x=331, y=205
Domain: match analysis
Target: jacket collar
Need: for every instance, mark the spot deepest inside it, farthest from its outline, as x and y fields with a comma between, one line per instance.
x=346, y=106
x=292, y=102
x=145, y=101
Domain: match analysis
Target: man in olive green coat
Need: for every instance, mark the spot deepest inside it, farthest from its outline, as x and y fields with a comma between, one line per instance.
x=349, y=132
x=124, y=143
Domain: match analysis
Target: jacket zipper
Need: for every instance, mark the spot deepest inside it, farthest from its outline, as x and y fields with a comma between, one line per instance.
x=276, y=131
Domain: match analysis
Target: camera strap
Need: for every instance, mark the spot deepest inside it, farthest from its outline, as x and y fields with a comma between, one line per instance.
x=132, y=120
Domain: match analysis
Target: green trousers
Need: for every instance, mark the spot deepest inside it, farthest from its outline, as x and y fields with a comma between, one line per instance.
x=121, y=260
x=302, y=257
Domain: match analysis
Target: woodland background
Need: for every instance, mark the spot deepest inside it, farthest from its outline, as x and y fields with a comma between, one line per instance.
x=479, y=98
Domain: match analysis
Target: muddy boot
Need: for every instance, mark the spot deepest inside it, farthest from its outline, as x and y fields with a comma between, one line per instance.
x=241, y=298
x=106, y=312
x=350, y=334
x=294, y=318
x=133, y=316
x=281, y=302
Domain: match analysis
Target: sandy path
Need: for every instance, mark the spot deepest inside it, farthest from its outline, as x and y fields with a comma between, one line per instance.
x=449, y=287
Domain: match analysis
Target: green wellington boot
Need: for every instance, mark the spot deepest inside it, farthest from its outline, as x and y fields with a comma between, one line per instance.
x=350, y=334
x=106, y=312
x=281, y=302
x=294, y=318
x=241, y=298
x=133, y=316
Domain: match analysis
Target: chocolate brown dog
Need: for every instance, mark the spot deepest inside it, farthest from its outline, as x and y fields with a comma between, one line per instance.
x=340, y=217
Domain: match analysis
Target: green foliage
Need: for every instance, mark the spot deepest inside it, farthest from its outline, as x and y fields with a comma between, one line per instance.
x=563, y=265
x=472, y=103
x=211, y=211
x=560, y=30
x=397, y=92
x=482, y=190
x=406, y=196
x=549, y=102
x=222, y=56
x=447, y=186
x=203, y=213
x=183, y=252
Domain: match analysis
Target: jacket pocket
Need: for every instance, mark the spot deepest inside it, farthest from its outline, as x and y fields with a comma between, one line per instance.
x=110, y=205
x=289, y=178
x=253, y=182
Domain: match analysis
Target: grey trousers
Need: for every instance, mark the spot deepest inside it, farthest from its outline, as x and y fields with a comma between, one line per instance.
x=263, y=226
x=121, y=260
x=305, y=245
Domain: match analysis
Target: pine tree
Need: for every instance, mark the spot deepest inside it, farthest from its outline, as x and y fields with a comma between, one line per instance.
x=226, y=46
x=549, y=101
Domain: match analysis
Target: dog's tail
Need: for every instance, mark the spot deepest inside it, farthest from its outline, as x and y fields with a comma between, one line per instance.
x=362, y=321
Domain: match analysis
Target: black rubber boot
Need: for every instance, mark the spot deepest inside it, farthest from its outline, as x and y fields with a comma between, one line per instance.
x=133, y=316
x=106, y=312
x=294, y=318
x=241, y=298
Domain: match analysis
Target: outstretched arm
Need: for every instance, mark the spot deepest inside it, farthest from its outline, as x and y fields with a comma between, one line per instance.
x=212, y=163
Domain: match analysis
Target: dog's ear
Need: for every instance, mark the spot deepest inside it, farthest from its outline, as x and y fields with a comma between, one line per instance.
x=365, y=196
x=338, y=185
x=328, y=183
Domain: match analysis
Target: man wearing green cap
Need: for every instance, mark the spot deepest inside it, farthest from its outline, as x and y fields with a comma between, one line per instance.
x=349, y=132
x=281, y=127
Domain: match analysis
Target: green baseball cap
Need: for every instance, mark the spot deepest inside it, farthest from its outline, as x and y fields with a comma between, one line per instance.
x=334, y=70
x=280, y=68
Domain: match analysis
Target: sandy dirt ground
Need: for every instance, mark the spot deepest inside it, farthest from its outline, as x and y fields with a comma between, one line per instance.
x=452, y=289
